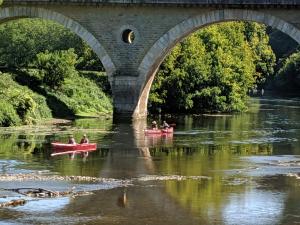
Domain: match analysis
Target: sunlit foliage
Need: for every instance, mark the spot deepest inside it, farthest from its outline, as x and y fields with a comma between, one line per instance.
x=47, y=58
x=19, y=104
x=23, y=39
x=55, y=67
x=213, y=69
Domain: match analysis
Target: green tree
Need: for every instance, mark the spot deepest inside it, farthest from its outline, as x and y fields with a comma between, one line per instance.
x=213, y=70
x=88, y=60
x=265, y=58
x=55, y=67
x=23, y=39
x=287, y=78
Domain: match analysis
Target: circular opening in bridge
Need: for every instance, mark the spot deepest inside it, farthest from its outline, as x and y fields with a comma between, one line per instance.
x=128, y=36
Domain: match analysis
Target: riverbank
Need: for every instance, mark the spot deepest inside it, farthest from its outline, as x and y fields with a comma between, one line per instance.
x=26, y=101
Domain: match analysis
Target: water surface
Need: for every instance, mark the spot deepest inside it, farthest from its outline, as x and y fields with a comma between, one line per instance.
x=215, y=169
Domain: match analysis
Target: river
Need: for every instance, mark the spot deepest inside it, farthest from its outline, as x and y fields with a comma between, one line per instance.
x=215, y=169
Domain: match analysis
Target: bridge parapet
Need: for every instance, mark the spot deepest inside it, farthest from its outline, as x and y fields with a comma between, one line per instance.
x=185, y=3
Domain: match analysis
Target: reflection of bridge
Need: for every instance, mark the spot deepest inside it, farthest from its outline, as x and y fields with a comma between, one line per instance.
x=128, y=158
x=132, y=38
x=166, y=202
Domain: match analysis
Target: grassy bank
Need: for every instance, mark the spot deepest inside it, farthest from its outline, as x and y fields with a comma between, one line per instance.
x=24, y=100
x=83, y=97
x=19, y=104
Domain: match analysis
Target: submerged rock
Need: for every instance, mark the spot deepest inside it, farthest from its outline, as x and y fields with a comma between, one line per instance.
x=13, y=203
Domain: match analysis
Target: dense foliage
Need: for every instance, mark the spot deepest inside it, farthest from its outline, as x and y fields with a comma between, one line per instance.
x=47, y=58
x=23, y=39
x=287, y=78
x=99, y=78
x=77, y=96
x=264, y=57
x=83, y=97
x=55, y=67
x=213, y=69
x=19, y=104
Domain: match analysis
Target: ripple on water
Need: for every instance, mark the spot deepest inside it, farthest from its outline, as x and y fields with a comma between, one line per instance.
x=272, y=159
x=254, y=207
x=196, y=132
x=58, y=219
x=207, y=142
x=272, y=165
x=11, y=166
x=79, y=183
x=264, y=140
x=13, y=223
x=170, y=177
x=236, y=181
x=297, y=176
x=40, y=205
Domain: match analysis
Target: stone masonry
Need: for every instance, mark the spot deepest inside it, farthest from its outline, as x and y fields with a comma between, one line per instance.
x=131, y=61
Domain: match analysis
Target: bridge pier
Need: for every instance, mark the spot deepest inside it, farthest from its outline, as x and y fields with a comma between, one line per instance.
x=126, y=98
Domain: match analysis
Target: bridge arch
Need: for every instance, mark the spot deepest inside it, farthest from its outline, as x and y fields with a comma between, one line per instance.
x=11, y=13
x=157, y=53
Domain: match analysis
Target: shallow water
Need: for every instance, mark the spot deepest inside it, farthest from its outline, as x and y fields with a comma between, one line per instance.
x=215, y=169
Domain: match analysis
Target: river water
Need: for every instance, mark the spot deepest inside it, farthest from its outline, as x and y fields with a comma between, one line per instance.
x=215, y=169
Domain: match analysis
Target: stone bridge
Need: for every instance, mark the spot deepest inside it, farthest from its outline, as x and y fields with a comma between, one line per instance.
x=132, y=37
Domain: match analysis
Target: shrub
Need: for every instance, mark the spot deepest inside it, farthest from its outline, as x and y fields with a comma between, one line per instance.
x=8, y=115
x=83, y=97
x=20, y=102
x=100, y=78
x=56, y=66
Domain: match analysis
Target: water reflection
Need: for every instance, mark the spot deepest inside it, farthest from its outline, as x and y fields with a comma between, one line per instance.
x=44, y=205
x=122, y=199
x=72, y=154
x=214, y=169
x=246, y=207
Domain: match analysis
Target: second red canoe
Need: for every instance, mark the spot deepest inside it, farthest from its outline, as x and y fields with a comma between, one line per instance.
x=159, y=131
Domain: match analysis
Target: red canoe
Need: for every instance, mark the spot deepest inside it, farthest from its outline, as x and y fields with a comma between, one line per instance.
x=158, y=131
x=57, y=146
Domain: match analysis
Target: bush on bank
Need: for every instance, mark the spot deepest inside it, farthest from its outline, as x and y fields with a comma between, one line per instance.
x=46, y=57
x=287, y=79
x=8, y=115
x=83, y=97
x=18, y=104
x=77, y=95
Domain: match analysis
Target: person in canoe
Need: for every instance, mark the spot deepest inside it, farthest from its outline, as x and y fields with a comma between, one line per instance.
x=154, y=125
x=71, y=140
x=165, y=125
x=84, y=140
